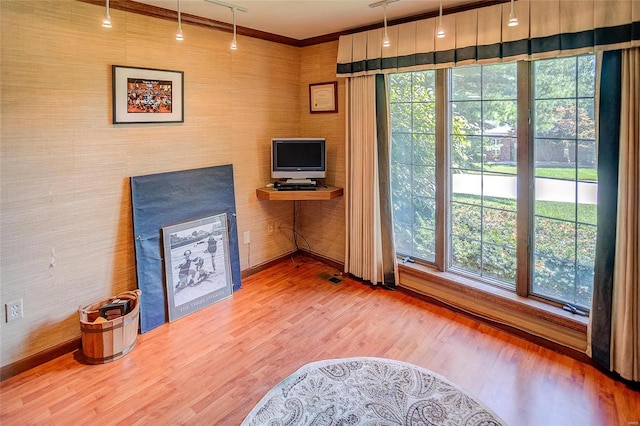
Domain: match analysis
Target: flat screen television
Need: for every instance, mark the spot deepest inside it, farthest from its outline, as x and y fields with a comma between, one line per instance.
x=298, y=158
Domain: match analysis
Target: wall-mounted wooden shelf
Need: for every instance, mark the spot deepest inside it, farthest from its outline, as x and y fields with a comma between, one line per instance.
x=321, y=193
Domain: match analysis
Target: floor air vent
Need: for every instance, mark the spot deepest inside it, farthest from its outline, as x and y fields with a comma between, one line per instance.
x=333, y=279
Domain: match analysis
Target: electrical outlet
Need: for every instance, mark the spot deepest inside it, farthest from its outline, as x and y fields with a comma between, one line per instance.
x=270, y=229
x=13, y=310
x=247, y=237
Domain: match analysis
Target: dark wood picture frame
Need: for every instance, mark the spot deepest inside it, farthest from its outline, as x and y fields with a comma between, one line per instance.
x=147, y=95
x=323, y=97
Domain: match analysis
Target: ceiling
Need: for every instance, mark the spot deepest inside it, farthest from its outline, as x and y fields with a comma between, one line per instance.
x=304, y=19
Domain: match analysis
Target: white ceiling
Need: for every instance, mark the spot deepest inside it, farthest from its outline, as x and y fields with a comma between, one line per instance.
x=303, y=19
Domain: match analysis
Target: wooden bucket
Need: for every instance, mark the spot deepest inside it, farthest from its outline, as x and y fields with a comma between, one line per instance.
x=108, y=341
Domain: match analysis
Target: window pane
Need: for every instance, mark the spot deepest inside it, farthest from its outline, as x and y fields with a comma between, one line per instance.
x=555, y=118
x=401, y=117
x=554, y=278
x=399, y=87
x=483, y=114
x=501, y=83
x=466, y=254
x=403, y=210
x=424, y=86
x=553, y=158
x=556, y=210
x=424, y=117
x=499, y=263
x=585, y=261
x=587, y=159
x=425, y=149
x=586, y=76
x=468, y=83
x=465, y=188
x=403, y=237
x=555, y=238
x=425, y=212
x=559, y=77
x=498, y=226
x=403, y=148
x=566, y=179
x=586, y=121
x=466, y=152
x=496, y=115
x=413, y=178
x=469, y=115
x=499, y=243
x=587, y=200
x=424, y=181
x=425, y=244
x=466, y=220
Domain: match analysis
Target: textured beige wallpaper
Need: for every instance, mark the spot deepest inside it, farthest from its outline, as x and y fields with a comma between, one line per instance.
x=323, y=221
x=65, y=223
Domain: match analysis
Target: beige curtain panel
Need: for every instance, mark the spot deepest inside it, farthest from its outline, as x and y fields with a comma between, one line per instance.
x=364, y=256
x=625, y=321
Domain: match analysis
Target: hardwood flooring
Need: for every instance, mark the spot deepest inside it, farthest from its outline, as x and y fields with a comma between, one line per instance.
x=213, y=366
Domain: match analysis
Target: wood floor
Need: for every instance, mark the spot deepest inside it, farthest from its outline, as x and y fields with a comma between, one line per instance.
x=213, y=366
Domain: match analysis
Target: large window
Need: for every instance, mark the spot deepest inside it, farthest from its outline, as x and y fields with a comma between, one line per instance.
x=484, y=213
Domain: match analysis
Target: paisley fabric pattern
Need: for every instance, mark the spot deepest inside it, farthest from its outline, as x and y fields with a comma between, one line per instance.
x=368, y=391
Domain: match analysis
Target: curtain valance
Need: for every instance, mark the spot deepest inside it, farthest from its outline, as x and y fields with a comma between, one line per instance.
x=546, y=28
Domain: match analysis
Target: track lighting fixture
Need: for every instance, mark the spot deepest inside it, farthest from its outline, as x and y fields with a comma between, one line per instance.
x=440, y=33
x=179, y=36
x=234, y=8
x=386, y=42
x=385, y=39
x=513, y=20
x=106, y=22
x=234, y=42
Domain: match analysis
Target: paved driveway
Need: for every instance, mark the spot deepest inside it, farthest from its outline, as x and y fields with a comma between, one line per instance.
x=505, y=187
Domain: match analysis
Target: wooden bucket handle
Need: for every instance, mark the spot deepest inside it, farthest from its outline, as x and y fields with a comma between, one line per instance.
x=132, y=294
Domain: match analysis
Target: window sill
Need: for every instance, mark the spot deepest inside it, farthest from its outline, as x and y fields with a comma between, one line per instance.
x=497, y=305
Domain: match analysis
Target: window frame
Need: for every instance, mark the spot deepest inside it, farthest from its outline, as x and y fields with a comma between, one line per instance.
x=525, y=186
x=550, y=299
x=447, y=140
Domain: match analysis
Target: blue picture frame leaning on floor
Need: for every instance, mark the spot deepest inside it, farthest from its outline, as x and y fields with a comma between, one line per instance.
x=166, y=199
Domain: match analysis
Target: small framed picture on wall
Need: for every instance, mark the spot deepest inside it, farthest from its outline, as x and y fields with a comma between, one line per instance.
x=323, y=97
